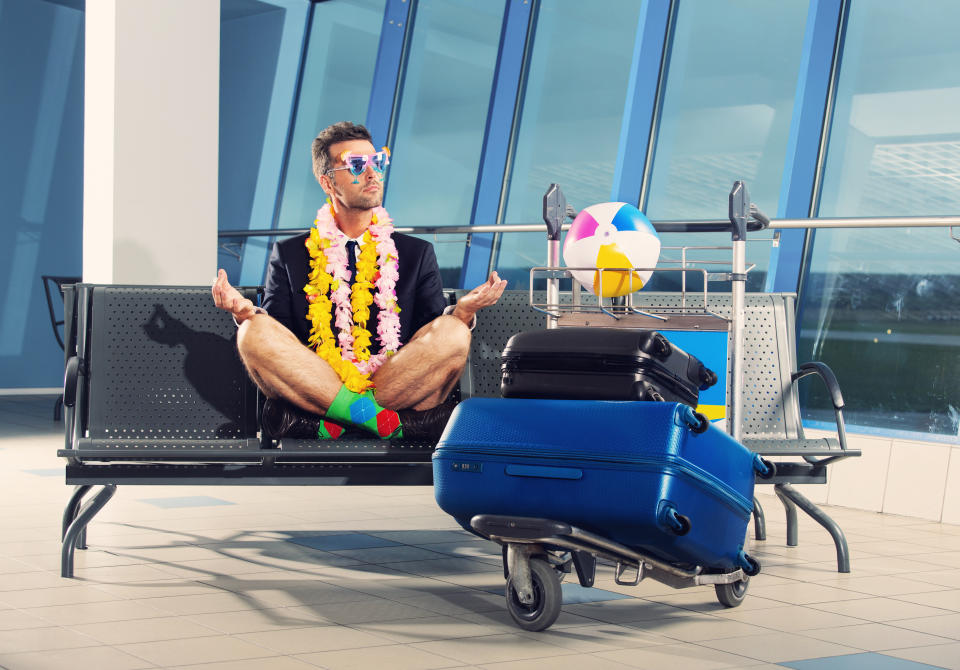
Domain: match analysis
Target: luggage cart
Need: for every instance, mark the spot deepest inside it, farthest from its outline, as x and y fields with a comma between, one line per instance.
x=537, y=552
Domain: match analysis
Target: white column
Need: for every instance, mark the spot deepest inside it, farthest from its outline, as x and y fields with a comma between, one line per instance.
x=151, y=126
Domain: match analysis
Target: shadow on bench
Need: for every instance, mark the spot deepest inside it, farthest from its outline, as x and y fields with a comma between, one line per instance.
x=155, y=393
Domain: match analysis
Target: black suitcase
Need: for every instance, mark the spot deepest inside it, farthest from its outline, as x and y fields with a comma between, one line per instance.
x=601, y=364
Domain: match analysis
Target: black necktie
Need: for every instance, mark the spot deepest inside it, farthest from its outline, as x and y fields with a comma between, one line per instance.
x=352, y=260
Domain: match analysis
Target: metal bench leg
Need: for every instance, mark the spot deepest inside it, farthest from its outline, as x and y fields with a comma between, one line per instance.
x=759, y=522
x=79, y=524
x=791, y=510
x=70, y=513
x=839, y=539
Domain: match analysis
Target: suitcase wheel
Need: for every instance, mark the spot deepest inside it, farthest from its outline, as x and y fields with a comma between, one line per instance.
x=661, y=346
x=750, y=565
x=707, y=378
x=765, y=469
x=672, y=520
x=731, y=595
x=697, y=422
x=547, y=598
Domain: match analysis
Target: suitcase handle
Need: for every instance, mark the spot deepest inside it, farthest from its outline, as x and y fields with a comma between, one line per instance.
x=543, y=472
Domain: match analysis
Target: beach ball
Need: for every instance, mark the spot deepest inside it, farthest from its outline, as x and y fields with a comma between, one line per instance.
x=611, y=235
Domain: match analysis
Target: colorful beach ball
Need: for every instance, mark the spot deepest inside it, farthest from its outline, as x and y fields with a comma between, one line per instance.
x=611, y=235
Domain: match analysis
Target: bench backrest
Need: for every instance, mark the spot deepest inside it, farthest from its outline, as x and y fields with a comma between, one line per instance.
x=770, y=408
x=162, y=364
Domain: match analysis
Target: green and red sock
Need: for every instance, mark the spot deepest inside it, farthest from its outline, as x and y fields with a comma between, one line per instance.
x=361, y=410
x=329, y=430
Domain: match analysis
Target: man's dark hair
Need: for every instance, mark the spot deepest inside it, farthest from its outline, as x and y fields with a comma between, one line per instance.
x=338, y=132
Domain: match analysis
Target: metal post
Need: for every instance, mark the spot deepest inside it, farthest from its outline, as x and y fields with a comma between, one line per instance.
x=739, y=212
x=553, y=283
x=554, y=212
x=738, y=287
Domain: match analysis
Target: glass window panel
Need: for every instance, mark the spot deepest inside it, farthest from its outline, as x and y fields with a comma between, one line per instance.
x=337, y=78
x=570, y=120
x=880, y=305
x=440, y=124
x=727, y=106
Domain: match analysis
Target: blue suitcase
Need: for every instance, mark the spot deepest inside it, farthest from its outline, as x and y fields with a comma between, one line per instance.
x=638, y=473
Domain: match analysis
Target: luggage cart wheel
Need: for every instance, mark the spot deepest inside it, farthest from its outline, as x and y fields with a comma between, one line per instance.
x=547, y=598
x=731, y=595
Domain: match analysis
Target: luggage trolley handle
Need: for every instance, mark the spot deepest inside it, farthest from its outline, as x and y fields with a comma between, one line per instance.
x=743, y=217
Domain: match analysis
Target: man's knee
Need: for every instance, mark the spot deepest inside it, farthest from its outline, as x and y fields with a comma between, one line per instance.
x=250, y=335
x=452, y=335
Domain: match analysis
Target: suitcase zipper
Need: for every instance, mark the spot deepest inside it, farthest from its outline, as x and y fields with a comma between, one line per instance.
x=575, y=460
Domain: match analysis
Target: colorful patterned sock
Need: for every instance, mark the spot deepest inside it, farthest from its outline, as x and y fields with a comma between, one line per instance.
x=329, y=430
x=361, y=410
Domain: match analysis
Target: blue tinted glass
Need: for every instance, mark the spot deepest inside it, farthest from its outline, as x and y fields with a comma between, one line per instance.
x=337, y=76
x=441, y=118
x=570, y=119
x=727, y=106
x=357, y=164
x=880, y=305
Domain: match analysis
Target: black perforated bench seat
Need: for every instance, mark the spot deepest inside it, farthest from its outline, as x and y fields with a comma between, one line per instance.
x=155, y=394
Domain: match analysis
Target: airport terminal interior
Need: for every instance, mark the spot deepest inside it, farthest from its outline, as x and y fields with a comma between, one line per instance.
x=150, y=142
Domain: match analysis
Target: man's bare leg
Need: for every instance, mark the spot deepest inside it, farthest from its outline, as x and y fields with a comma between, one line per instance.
x=282, y=367
x=424, y=371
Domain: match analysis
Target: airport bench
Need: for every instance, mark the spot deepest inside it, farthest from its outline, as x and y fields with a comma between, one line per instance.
x=155, y=394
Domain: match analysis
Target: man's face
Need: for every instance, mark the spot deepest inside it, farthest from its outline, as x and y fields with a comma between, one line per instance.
x=353, y=192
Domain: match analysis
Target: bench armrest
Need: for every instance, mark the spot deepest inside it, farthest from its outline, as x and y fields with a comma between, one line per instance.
x=70, y=379
x=823, y=371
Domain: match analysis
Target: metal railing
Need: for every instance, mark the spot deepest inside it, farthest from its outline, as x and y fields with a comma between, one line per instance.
x=661, y=226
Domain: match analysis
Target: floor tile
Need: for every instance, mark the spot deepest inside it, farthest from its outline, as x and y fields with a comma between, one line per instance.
x=343, y=542
x=314, y=638
x=14, y=619
x=196, y=650
x=185, y=501
x=573, y=662
x=699, y=628
x=790, y=619
x=948, y=600
x=398, y=657
x=875, y=636
x=100, y=658
x=868, y=661
x=143, y=630
x=592, y=638
x=426, y=629
x=43, y=639
x=675, y=657
x=774, y=647
x=802, y=593
x=879, y=609
x=947, y=625
x=941, y=656
x=274, y=663
x=491, y=649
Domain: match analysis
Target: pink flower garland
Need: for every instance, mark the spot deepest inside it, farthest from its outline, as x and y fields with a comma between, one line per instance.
x=388, y=319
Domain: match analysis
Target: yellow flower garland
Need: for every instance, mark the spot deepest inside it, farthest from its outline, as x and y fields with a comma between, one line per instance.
x=321, y=284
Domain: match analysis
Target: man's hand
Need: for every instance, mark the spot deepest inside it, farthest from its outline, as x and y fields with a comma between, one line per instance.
x=228, y=298
x=483, y=296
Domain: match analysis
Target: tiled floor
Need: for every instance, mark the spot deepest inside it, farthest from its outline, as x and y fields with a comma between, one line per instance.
x=339, y=577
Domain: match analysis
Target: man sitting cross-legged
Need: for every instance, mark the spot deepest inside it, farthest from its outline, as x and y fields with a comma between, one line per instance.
x=354, y=331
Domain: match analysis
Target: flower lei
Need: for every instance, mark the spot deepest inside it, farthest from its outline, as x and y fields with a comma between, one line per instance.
x=329, y=292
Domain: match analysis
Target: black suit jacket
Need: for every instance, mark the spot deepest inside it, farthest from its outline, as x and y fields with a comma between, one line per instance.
x=419, y=287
